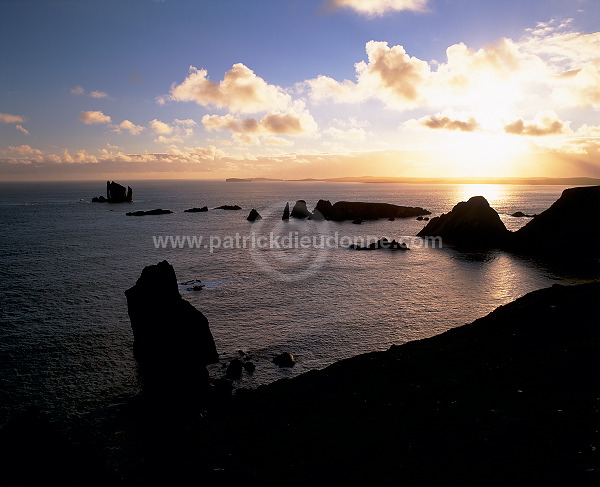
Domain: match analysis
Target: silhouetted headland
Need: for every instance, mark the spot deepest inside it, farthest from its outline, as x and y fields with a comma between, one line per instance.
x=571, y=224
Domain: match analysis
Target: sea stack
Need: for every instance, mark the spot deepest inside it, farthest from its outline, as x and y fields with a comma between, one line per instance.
x=470, y=224
x=173, y=343
x=254, y=215
x=286, y=212
x=300, y=210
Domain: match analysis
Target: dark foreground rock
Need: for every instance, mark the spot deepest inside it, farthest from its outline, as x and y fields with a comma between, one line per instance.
x=229, y=207
x=115, y=193
x=470, y=224
x=253, y=216
x=172, y=340
x=157, y=211
x=196, y=210
x=511, y=396
x=355, y=210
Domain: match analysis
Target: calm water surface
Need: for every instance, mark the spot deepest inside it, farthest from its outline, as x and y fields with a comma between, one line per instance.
x=65, y=337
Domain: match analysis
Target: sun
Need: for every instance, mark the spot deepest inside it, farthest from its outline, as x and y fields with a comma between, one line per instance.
x=483, y=154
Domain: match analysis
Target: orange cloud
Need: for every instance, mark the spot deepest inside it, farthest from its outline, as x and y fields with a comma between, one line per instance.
x=447, y=123
x=94, y=117
x=545, y=123
x=8, y=118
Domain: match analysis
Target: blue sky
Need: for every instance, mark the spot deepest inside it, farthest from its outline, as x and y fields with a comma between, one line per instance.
x=93, y=88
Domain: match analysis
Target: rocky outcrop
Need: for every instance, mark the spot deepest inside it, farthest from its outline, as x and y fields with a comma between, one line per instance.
x=115, y=193
x=254, y=215
x=285, y=359
x=520, y=214
x=382, y=243
x=196, y=210
x=228, y=207
x=157, y=211
x=356, y=210
x=286, y=212
x=470, y=224
x=300, y=210
x=234, y=369
x=572, y=222
x=322, y=210
x=172, y=340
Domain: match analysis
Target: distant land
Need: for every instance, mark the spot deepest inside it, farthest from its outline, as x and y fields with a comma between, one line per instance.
x=581, y=181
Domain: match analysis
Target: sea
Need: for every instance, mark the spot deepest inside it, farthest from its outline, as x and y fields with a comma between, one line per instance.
x=270, y=286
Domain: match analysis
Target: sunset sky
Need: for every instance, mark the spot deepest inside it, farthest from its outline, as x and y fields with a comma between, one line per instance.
x=298, y=88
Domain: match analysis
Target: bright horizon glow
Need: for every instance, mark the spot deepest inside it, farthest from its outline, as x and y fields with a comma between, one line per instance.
x=292, y=90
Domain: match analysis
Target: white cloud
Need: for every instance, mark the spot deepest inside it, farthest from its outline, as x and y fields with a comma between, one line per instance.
x=548, y=65
x=187, y=122
x=8, y=118
x=380, y=7
x=130, y=127
x=94, y=117
x=77, y=90
x=240, y=91
x=160, y=128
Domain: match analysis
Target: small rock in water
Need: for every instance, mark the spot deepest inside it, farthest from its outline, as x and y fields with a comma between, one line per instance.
x=234, y=369
x=249, y=366
x=285, y=359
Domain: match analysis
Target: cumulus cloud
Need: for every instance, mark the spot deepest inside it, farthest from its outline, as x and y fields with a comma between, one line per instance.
x=241, y=90
x=296, y=121
x=380, y=7
x=172, y=133
x=390, y=74
x=130, y=127
x=94, y=117
x=25, y=150
x=445, y=122
x=8, y=118
x=160, y=128
x=545, y=123
x=548, y=64
x=20, y=128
